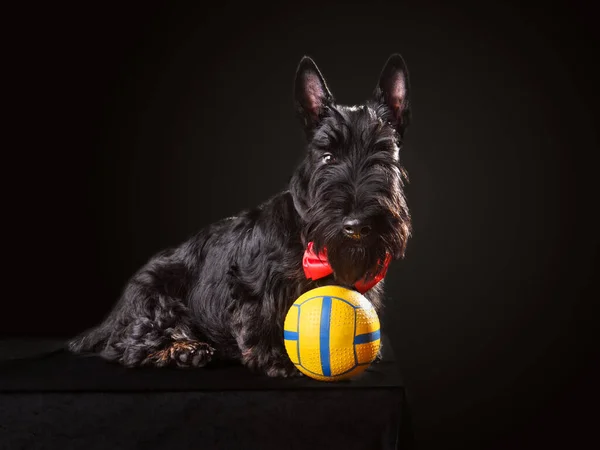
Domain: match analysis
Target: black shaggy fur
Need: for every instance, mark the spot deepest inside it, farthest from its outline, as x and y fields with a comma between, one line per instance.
x=224, y=293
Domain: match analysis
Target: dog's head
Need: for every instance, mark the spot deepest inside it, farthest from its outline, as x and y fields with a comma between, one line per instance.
x=349, y=187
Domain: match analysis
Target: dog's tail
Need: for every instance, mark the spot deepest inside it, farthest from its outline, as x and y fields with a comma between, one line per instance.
x=90, y=341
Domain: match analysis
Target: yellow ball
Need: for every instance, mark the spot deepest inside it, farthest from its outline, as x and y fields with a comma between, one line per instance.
x=332, y=333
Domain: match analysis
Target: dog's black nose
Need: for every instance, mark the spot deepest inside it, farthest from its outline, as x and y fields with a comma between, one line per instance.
x=356, y=228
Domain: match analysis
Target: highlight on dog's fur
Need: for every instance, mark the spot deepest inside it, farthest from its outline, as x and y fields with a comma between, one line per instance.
x=224, y=292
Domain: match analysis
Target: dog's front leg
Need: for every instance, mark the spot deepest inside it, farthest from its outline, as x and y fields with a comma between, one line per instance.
x=260, y=343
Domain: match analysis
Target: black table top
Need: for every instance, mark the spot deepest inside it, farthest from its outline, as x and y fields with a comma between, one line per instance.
x=42, y=365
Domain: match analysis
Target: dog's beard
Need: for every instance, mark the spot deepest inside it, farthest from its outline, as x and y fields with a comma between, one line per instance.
x=352, y=261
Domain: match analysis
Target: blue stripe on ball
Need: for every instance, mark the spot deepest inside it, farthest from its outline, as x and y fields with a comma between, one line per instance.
x=325, y=327
x=354, y=334
x=290, y=335
x=298, y=340
x=367, y=337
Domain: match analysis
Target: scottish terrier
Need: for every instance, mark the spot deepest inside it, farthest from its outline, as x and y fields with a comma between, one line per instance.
x=224, y=293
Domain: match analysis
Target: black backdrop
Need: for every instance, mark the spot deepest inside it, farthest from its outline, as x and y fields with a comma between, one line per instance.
x=132, y=127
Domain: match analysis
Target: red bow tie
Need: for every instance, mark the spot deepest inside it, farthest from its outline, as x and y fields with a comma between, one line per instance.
x=317, y=266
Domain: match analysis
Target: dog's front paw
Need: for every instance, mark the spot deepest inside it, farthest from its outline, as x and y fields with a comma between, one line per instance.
x=283, y=370
x=182, y=354
x=191, y=353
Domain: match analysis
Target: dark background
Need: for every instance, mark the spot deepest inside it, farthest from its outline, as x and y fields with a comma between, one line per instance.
x=132, y=127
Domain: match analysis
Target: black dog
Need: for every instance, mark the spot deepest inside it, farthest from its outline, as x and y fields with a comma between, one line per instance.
x=225, y=292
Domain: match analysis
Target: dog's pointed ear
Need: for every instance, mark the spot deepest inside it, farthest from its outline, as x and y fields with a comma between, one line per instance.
x=311, y=94
x=393, y=91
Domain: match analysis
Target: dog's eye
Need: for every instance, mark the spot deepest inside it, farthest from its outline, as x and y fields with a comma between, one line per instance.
x=328, y=158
